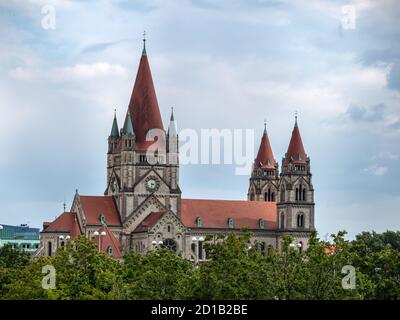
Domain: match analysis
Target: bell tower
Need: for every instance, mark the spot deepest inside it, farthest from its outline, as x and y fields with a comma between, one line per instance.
x=142, y=159
x=296, y=193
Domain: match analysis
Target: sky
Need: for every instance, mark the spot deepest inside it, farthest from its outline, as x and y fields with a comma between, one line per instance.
x=220, y=64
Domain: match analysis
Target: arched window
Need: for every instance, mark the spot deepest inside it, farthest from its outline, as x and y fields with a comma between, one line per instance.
x=262, y=248
x=49, y=248
x=102, y=219
x=300, y=220
x=261, y=223
x=282, y=194
x=304, y=195
x=282, y=222
x=297, y=194
x=169, y=228
x=200, y=250
x=110, y=250
x=199, y=223
x=269, y=195
x=230, y=223
x=251, y=196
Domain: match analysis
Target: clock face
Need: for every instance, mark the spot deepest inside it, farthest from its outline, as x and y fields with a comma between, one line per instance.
x=151, y=184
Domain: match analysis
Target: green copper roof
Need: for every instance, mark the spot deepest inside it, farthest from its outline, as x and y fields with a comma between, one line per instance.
x=114, y=129
x=128, y=127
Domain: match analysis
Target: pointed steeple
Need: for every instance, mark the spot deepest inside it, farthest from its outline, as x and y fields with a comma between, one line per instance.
x=172, y=126
x=265, y=157
x=128, y=127
x=114, y=130
x=295, y=150
x=143, y=105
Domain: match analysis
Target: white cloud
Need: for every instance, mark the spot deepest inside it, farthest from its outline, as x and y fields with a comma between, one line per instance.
x=378, y=171
x=386, y=155
x=92, y=70
x=77, y=71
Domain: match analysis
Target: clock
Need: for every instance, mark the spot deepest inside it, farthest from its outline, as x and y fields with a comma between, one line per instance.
x=151, y=184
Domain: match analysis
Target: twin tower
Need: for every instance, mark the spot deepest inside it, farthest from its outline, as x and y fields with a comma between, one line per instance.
x=291, y=190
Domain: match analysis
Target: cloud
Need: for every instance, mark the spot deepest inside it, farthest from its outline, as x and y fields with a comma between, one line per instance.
x=369, y=114
x=262, y=60
x=92, y=70
x=386, y=155
x=99, y=46
x=77, y=71
x=375, y=170
x=393, y=77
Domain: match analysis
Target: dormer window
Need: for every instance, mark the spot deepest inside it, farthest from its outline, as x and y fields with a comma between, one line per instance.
x=268, y=162
x=199, y=223
x=110, y=250
x=102, y=219
x=230, y=223
x=299, y=156
x=261, y=223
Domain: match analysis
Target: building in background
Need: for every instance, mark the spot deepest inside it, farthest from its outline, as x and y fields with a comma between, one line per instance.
x=142, y=207
x=21, y=237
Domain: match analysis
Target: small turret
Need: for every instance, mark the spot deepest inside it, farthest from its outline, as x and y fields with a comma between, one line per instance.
x=114, y=130
x=114, y=135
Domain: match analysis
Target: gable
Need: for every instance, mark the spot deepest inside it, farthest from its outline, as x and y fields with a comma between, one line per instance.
x=94, y=206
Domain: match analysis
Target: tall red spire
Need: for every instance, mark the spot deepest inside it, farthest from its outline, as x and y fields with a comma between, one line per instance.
x=295, y=150
x=265, y=157
x=143, y=106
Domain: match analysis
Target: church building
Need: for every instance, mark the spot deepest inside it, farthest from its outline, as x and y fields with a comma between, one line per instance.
x=142, y=207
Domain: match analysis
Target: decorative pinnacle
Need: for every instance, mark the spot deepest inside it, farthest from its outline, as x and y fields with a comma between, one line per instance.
x=144, y=43
x=172, y=114
x=265, y=126
x=295, y=118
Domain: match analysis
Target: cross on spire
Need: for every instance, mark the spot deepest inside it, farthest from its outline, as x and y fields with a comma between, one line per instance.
x=144, y=43
x=295, y=118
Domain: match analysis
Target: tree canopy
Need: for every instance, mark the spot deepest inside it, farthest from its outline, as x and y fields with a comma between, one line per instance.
x=235, y=269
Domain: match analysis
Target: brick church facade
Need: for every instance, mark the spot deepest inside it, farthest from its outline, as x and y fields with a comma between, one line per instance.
x=142, y=207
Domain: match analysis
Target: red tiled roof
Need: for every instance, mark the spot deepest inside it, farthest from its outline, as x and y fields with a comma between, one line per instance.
x=149, y=221
x=107, y=241
x=65, y=223
x=215, y=213
x=94, y=206
x=330, y=249
x=143, y=105
x=295, y=148
x=264, y=154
